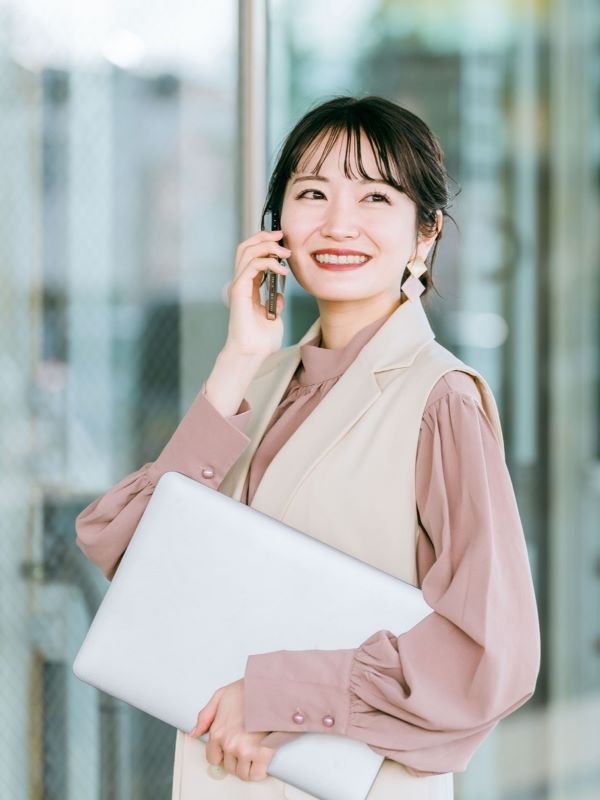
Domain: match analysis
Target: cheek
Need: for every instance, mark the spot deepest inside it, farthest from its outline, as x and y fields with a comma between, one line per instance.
x=295, y=227
x=395, y=234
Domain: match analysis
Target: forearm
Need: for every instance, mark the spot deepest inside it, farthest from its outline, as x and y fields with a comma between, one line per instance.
x=428, y=697
x=232, y=373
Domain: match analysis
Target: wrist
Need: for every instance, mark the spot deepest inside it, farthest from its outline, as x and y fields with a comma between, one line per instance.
x=241, y=366
x=232, y=373
x=231, y=354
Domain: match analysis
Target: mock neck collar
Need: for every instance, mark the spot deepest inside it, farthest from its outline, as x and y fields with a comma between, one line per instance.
x=394, y=345
x=321, y=363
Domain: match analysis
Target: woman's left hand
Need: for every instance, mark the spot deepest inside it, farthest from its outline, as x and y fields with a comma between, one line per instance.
x=228, y=741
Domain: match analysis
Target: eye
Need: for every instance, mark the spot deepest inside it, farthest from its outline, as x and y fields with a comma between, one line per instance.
x=379, y=196
x=306, y=191
x=383, y=197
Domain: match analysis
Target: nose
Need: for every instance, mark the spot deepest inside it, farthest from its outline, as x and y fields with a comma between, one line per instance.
x=338, y=221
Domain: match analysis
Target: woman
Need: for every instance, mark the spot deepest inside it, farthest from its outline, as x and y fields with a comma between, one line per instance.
x=372, y=437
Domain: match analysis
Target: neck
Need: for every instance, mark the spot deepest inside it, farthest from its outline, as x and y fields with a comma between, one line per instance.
x=341, y=321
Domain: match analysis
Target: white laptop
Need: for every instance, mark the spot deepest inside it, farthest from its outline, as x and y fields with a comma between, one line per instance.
x=207, y=581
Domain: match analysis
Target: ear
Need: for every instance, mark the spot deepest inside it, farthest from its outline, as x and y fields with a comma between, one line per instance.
x=424, y=244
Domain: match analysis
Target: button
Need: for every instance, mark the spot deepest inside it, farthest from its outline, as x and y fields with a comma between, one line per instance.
x=298, y=718
x=216, y=771
x=207, y=472
x=328, y=721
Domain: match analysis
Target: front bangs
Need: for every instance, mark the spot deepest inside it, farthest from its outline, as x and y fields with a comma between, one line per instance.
x=388, y=156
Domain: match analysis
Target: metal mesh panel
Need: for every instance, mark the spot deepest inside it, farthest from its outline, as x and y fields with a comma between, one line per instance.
x=65, y=333
x=100, y=214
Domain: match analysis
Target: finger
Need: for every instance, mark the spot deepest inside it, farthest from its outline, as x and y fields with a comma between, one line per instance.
x=230, y=763
x=243, y=769
x=259, y=238
x=256, y=284
x=207, y=715
x=268, y=247
x=214, y=752
x=258, y=265
x=203, y=721
x=260, y=249
x=258, y=770
x=254, y=271
x=246, y=250
x=280, y=301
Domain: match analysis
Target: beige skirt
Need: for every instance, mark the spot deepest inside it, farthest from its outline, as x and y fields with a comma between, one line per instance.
x=195, y=779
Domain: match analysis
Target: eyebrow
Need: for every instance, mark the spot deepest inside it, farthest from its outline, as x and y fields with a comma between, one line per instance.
x=326, y=180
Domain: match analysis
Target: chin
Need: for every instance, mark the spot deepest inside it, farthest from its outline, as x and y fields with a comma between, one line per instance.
x=335, y=287
x=358, y=298
x=341, y=294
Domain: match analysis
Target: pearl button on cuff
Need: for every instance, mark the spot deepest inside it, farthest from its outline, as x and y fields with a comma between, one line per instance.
x=298, y=718
x=328, y=721
x=208, y=473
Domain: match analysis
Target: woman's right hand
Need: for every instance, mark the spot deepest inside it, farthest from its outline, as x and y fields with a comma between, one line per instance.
x=249, y=331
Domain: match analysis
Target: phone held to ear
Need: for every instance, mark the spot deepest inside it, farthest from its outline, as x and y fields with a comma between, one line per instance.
x=272, y=223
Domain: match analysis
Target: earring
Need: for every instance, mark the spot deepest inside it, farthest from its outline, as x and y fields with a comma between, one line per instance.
x=412, y=287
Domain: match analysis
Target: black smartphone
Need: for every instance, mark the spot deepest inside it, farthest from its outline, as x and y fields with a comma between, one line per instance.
x=271, y=278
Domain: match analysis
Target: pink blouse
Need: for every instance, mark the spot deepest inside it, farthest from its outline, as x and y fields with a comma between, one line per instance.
x=428, y=697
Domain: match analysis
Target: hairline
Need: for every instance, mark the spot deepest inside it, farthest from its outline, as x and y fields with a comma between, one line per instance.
x=323, y=179
x=325, y=139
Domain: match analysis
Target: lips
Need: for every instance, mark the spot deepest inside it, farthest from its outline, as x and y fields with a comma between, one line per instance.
x=336, y=252
x=339, y=267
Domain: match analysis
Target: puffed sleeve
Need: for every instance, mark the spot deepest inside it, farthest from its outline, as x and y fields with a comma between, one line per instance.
x=204, y=439
x=428, y=697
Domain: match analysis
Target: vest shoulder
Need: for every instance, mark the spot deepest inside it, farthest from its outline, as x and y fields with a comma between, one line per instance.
x=434, y=362
x=435, y=358
x=454, y=382
x=435, y=352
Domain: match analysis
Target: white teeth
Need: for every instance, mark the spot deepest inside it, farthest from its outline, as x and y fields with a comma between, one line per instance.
x=327, y=258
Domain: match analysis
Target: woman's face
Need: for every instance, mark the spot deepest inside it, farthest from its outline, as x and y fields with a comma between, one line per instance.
x=333, y=215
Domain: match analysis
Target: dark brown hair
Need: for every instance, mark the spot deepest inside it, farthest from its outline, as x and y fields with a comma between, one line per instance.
x=408, y=155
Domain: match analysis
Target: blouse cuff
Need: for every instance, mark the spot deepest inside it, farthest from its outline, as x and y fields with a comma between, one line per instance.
x=298, y=691
x=205, y=445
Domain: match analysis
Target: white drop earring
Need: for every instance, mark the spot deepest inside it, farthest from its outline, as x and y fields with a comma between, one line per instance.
x=412, y=286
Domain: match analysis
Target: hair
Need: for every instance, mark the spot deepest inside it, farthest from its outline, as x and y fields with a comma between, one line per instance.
x=407, y=154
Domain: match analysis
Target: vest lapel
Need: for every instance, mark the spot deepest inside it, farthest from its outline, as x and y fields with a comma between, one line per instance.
x=394, y=346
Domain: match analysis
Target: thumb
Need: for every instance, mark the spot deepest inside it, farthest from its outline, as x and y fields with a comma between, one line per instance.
x=207, y=715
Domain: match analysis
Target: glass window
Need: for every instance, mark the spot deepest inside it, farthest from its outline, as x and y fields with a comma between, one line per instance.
x=118, y=227
x=117, y=234
x=511, y=90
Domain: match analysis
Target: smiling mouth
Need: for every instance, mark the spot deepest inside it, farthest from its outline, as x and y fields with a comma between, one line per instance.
x=330, y=261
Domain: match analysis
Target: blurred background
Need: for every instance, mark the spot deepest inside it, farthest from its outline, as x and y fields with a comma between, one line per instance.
x=136, y=140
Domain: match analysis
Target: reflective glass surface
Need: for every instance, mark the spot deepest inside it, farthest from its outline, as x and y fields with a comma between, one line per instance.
x=511, y=90
x=119, y=219
x=117, y=235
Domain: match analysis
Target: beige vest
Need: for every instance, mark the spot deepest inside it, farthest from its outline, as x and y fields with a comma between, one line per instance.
x=347, y=477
